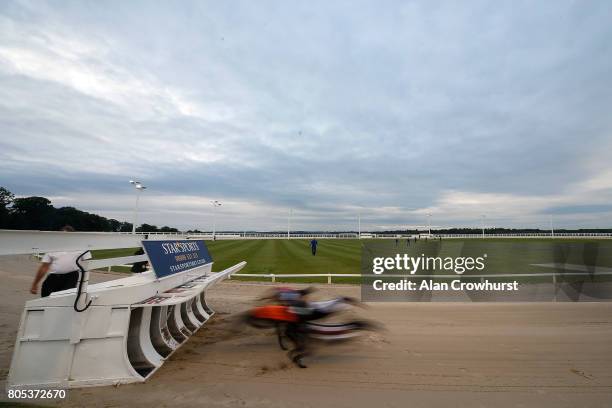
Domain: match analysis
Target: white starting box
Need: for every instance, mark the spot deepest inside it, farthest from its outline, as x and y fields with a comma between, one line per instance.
x=119, y=331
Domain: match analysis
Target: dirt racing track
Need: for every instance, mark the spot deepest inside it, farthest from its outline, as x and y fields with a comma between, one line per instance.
x=430, y=355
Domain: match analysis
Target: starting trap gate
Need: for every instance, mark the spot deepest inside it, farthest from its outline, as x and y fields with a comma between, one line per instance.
x=120, y=331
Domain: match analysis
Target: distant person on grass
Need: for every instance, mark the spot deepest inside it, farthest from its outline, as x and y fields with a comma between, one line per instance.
x=313, y=246
x=60, y=269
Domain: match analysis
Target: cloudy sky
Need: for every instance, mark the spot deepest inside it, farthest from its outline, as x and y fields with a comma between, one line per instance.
x=392, y=110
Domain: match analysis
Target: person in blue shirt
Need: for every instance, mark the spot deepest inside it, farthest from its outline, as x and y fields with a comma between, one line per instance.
x=313, y=246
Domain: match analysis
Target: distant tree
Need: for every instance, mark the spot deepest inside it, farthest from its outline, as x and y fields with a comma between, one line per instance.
x=114, y=225
x=80, y=220
x=68, y=216
x=37, y=213
x=6, y=197
x=6, y=200
x=125, y=227
x=147, y=228
x=32, y=213
x=168, y=229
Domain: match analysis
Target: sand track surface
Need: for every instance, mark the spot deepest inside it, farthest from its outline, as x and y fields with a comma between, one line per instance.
x=429, y=355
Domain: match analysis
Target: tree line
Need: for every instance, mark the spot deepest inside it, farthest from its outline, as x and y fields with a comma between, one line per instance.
x=37, y=213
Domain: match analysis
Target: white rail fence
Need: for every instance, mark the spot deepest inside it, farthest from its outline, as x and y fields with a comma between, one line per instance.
x=28, y=242
x=263, y=235
x=274, y=276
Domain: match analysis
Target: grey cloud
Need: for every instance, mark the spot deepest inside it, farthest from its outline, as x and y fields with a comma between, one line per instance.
x=322, y=107
x=581, y=209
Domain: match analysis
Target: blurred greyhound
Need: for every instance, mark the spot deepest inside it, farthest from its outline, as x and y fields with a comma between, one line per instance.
x=293, y=318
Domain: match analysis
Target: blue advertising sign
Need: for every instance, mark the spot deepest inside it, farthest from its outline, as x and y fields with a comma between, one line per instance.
x=174, y=256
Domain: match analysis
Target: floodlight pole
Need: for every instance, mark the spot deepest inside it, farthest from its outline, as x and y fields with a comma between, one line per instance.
x=552, y=230
x=429, y=223
x=136, y=212
x=289, y=223
x=483, y=226
x=359, y=226
x=139, y=189
x=215, y=204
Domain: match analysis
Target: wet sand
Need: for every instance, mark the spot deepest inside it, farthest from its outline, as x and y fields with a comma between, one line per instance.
x=430, y=355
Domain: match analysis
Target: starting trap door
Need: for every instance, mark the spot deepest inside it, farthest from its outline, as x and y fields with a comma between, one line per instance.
x=130, y=328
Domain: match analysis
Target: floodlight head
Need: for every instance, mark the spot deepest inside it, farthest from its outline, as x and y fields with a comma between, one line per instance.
x=132, y=182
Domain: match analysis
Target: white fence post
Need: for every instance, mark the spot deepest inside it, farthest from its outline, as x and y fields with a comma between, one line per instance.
x=273, y=278
x=329, y=278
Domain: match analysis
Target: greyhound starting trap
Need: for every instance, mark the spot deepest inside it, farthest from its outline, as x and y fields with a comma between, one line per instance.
x=120, y=331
